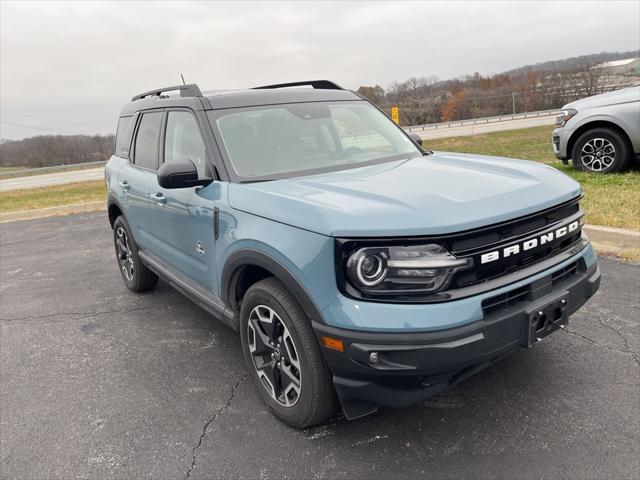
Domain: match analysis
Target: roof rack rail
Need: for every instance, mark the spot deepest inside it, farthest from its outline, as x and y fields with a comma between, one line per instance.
x=318, y=84
x=189, y=90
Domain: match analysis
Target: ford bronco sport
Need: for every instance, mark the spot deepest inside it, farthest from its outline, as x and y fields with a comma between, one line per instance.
x=361, y=270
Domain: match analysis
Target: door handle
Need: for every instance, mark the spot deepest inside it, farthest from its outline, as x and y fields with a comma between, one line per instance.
x=124, y=184
x=159, y=198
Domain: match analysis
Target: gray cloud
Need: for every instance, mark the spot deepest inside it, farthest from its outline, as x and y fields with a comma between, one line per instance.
x=67, y=67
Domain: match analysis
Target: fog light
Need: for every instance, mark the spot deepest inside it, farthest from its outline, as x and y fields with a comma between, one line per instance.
x=373, y=358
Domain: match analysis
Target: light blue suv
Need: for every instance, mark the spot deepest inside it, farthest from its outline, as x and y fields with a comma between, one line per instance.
x=361, y=270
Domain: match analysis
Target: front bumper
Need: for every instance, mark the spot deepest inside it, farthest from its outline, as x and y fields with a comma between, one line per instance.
x=413, y=366
x=559, y=141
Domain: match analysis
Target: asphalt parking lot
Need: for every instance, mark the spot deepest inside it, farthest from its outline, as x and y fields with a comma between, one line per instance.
x=98, y=382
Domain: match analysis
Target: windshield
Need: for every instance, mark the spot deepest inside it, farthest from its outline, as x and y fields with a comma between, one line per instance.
x=284, y=140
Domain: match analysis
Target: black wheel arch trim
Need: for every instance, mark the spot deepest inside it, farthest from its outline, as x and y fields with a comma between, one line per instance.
x=111, y=202
x=243, y=258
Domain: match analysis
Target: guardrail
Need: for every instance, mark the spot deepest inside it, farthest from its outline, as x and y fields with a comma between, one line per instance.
x=483, y=120
x=58, y=168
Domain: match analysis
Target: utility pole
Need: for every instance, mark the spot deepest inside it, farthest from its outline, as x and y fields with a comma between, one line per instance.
x=513, y=102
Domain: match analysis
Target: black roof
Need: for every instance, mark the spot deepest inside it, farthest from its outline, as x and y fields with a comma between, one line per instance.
x=249, y=98
x=191, y=97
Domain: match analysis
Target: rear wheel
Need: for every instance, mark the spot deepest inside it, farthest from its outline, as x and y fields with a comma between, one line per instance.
x=283, y=356
x=137, y=277
x=600, y=150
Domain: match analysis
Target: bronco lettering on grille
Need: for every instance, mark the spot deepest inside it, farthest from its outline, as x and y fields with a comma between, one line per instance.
x=529, y=244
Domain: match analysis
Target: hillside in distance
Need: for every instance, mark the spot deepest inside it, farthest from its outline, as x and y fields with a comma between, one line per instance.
x=50, y=150
x=542, y=86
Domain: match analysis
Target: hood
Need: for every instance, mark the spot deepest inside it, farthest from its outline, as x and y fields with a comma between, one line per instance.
x=625, y=95
x=434, y=194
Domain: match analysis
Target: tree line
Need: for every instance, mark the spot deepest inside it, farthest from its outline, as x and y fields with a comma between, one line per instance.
x=51, y=150
x=544, y=86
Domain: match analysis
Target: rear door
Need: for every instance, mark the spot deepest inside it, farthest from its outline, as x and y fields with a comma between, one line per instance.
x=138, y=175
x=183, y=218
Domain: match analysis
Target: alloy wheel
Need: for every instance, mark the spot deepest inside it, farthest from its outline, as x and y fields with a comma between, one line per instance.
x=274, y=355
x=598, y=154
x=123, y=251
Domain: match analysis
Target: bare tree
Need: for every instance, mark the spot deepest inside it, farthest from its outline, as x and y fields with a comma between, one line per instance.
x=588, y=81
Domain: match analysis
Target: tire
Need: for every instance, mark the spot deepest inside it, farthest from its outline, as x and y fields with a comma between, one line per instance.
x=600, y=150
x=137, y=277
x=270, y=313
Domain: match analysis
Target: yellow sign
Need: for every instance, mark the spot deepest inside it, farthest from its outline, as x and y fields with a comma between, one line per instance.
x=394, y=115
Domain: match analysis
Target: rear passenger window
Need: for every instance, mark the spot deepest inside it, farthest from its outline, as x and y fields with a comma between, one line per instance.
x=146, y=146
x=123, y=138
x=184, y=142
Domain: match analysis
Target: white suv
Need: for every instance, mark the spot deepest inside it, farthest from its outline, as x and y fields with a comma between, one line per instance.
x=600, y=134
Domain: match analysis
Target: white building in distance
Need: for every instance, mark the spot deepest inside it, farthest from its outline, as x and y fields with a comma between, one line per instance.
x=618, y=67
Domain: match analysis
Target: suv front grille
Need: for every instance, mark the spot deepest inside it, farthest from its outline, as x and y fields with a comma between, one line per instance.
x=494, y=240
x=506, y=231
x=480, y=273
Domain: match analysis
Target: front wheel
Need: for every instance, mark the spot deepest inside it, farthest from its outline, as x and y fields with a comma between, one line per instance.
x=283, y=356
x=600, y=150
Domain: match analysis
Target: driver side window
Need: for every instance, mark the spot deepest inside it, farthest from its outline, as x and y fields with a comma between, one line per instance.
x=184, y=142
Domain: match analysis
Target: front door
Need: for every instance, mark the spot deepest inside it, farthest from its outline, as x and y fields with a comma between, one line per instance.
x=183, y=218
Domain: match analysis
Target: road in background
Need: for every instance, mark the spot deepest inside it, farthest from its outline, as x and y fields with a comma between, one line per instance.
x=50, y=179
x=99, y=382
x=481, y=128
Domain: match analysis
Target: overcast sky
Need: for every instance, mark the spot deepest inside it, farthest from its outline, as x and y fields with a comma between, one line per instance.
x=67, y=67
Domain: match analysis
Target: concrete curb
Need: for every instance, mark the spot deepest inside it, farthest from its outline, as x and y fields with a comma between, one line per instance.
x=53, y=211
x=615, y=241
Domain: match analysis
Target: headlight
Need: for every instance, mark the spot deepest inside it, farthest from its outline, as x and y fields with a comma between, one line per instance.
x=402, y=270
x=565, y=116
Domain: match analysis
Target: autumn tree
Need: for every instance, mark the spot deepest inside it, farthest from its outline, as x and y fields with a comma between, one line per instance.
x=455, y=108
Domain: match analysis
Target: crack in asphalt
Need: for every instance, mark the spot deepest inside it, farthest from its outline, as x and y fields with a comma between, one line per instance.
x=636, y=359
x=83, y=315
x=627, y=348
x=208, y=424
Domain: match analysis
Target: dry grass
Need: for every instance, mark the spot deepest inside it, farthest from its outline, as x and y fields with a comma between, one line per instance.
x=33, y=198
x=10, y=169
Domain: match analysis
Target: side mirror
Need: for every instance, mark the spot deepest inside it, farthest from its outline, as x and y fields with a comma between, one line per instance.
x=181, y=174
x=416, y=138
